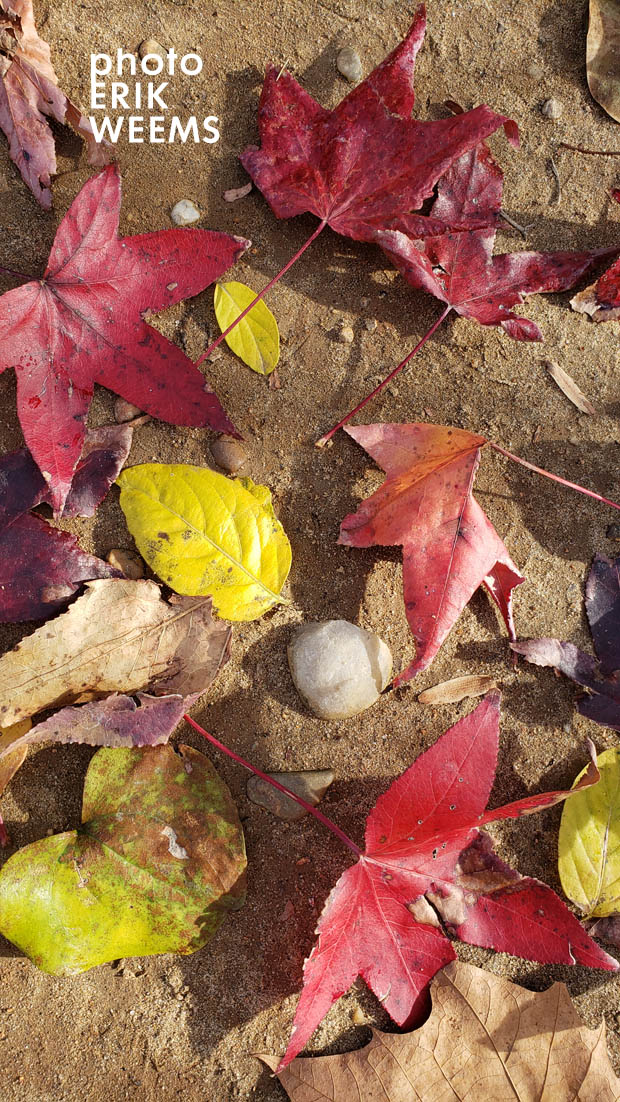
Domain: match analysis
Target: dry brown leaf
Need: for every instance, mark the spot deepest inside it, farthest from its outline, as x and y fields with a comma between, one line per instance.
x=603, y=53
x=120, y=636
x=29, y=95
x=235, y=193
x=11, y=762
x=569, y=387
x=487, y=1040
x=458, y=688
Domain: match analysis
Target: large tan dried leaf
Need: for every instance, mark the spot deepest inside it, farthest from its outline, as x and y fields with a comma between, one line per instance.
x=603, y=55
x=120, y=636
x=487, y=1040
x=29, y=95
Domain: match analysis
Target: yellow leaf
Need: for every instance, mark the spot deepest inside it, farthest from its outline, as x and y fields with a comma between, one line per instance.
x=589, y=841
x=256, y=339
x=203, y=533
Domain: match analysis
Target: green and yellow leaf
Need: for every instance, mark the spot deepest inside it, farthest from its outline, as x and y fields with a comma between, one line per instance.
x=589, y=841
x=155, y=866
x=204, y=533
x=256, y=339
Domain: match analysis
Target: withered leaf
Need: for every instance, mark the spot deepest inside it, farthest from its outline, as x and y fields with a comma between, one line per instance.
x=569, y=387
x=487, y=1040
x=29, y=96
x=602, y=51
x=457, y=689
x=120, y=636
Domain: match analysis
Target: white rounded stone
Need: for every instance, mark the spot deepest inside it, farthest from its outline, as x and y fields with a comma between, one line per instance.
x=338, y=668
x=349, y=64
x=552, y=108
x=184, y=213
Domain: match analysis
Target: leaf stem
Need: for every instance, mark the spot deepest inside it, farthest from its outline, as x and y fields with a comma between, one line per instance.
x=261, y=294
x=276, y=784
x=18, y=275
x=328, y=435
x=591, y=152
x=553, y=477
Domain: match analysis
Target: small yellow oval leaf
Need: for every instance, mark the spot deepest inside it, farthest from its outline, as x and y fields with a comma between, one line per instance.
x=203, y=533
x=256, y=339
x=589, y=841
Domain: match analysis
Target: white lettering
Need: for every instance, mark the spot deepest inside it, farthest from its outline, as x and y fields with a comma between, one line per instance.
x=104, y=130
x=155, y=94
x=210, y=127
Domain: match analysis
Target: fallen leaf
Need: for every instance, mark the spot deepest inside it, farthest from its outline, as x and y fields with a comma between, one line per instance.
x=103, y=456
x=115, y=721
x=22, y=485
x=202, y=532
x=29, y=96
x=457, y=689
x=460, y=269
x=603, y=45
x=84, y=323
x=428, y=868
x=367, y=164
x=589, y=843
x=426, y=506
x=12, y=754
x=601, y=300
x=233, y=193
x=601, y=678
x=41, y=569
x=156, y=864
x=120, y=636
x=487, y=1040
x=569, y=387
x=310, y=784
x=256, y=339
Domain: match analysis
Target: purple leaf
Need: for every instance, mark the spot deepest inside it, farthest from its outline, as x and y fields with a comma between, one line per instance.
x=41, y=568
x=600, y=676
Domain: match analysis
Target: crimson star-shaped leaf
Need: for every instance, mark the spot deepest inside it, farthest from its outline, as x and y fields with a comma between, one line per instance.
x=427, y=866
x=84, y=323
x=366, y=165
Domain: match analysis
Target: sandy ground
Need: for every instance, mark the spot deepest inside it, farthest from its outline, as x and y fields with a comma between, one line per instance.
x=173, y=1027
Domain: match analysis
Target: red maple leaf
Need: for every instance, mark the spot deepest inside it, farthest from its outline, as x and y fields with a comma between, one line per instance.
x=426, y=506
x=29, y=95
x=460, y=269
x=366, y=165
x=428, y=868
x=84, y=323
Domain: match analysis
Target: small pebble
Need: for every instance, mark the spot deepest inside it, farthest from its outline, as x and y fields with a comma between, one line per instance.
x=311, y=785
x=371, y=324
x=184, y=213
x=613, y=532
x=125, y=411
x=346, y=334
x=349, y=64
x=229, y=454
x=338, y=668
x=128, y=562
x=552, y=108
x=152, y=46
